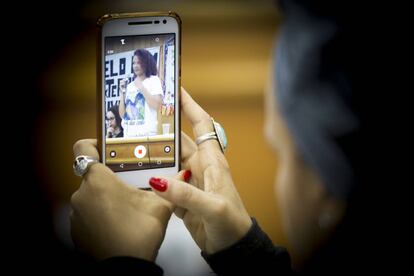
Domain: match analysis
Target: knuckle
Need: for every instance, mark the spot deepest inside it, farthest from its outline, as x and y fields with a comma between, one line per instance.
x=98, y=178
x=185, y=104
x=95, y=170
x=223, y=161
x=185, y=196
x=93, y=181
x=78, y=145
x=218, y=173
x=220, y=207
x=204, y=116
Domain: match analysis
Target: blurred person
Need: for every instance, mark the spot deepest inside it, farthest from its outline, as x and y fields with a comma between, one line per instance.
x=143, y=96
x=114, y=128
x=313, y=123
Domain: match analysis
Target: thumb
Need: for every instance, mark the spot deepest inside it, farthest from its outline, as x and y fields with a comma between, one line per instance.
x=186, y=196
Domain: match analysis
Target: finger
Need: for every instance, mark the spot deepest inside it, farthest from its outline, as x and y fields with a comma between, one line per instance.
x=183, y=175
x=194, y=112
x=86, y=147
x=199, y=119
x=100, y=175
x=188, y=147
x=187, y=196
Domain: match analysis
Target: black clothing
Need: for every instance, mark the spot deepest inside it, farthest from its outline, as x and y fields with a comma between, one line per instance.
x=255, y=253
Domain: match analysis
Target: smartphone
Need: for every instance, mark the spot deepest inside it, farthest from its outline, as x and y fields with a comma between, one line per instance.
x=138, y=95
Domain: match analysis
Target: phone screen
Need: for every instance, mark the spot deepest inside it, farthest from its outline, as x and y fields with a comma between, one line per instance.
x=139, y=74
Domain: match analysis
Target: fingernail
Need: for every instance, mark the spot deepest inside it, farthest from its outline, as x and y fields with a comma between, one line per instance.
x=158, y=184
x=187, y=175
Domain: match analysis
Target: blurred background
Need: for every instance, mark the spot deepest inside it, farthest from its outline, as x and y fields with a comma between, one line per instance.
x=226, y=53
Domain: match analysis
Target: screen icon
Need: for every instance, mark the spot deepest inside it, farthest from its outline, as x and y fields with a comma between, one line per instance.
x=123, y=41
x=140, y=151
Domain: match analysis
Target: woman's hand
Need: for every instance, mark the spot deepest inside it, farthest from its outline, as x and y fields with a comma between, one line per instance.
x=211, y=207
x=110, y=132
x=110, y=218
x=123, y=87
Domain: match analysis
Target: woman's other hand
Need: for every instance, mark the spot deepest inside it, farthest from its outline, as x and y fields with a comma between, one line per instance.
x=110, y=218
x=210, y=205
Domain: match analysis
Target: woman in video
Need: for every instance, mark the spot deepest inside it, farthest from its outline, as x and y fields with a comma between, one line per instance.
x=140, y=101
x=114, y=128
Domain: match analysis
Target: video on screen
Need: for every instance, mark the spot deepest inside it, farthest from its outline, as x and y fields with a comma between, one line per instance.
x=139, y=73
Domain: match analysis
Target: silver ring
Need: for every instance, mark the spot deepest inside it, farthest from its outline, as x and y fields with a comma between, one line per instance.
x=219, y=134
x=205, y=137
x=82, y=164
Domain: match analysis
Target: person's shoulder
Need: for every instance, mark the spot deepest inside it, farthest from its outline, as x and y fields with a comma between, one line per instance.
x=152, y=79
x=154, y=84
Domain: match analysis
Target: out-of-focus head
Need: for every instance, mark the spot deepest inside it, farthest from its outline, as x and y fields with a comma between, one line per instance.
x=309, y=212
x=310, y=124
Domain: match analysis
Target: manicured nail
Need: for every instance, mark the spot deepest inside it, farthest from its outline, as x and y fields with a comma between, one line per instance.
x=158, y=184
x=187, y=175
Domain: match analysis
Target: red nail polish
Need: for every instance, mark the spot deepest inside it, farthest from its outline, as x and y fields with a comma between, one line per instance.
x=187, y=175
x=158, y=184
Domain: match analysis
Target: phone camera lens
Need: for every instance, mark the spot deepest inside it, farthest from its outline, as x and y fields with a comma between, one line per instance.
x=164, y=21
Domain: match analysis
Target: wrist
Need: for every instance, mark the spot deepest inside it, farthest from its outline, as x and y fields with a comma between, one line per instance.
x=237, y=230
x=251, y=236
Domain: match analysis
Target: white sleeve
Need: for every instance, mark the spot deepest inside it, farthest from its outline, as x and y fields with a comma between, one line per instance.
x=153, y=84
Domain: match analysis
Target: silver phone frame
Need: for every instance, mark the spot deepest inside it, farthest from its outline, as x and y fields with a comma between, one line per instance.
x=117, y=25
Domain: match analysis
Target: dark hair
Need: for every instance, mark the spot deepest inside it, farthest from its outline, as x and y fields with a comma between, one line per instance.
x=115, y=110
x=147, y=62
